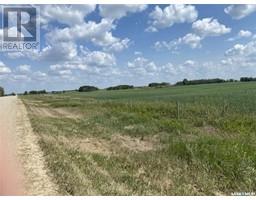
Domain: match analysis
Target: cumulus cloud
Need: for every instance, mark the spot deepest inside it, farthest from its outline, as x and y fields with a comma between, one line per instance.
x=4, y=69
x=66, y=14
x=163, y=18
x=248, y=49
x=119, y=11
x=90, y=62
x=245, y=33
x=100, y=59
x=241, y=34
x=60, y=52
x=202, y=28
x=169, y=69
x=240, y=11
x=189, y=63
x=141, y=65
x=98, y=33
x=38, y=75
x=118, y=46
x=23, y=69
x=87, y=30
x=209, y=27
x=242, y=56
x=63, y=74
x=190, y=39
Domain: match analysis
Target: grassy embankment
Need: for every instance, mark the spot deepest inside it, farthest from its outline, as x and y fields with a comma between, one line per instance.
x=186, y=140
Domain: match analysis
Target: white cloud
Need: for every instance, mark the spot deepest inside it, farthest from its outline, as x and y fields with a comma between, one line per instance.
x=61, y=44
x=38, y=75
x=137, y=53
x=248, y=49
x=163, y=18
x=4, y=69
x=1, y=34
x=64, y=74
x=66, y=14
x=59, y=52
x=242, y=56
x=189, y=63
x=169, y=69
x=20, y=77
x=158, y=45
x=240, y=11
x=23, y=69
x=203, y=28
x=151, y=29
x=89, y=30
x=138, y=62
x=90, y=62
x=98, y=33
x=142, y=66
x=190, y=39
x=241, y=34
x=100, y=59
x=209, y=27
x=119, y=11
x=244, y=33
x=119, y=45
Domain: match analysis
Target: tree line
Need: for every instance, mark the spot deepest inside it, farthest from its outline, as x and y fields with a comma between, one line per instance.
x=201, y=81
x=247, y=79
x=88, y=88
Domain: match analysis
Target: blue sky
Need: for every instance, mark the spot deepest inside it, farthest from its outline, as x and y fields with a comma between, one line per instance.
x=106, y=45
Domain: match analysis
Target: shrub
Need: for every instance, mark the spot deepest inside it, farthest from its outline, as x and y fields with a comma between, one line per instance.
x=87, y=88
x=37, y=92
x=163, y=84
x=121, y=87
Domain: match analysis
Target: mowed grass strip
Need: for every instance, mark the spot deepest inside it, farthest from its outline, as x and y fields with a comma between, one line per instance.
x=187, y=140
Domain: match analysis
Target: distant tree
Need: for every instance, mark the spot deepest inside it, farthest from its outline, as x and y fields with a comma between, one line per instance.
x=200, y=81
x=163, y=84
x=185, y=81
x=1, y=91
x=120, y=87
x=25, y=93
x=87, y=88
x=37, y=92
x=247, y=79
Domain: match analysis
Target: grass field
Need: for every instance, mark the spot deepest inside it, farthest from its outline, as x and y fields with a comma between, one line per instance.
x=186, y=140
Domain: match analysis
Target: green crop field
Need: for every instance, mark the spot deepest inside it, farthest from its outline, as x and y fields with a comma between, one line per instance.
x=184, y=140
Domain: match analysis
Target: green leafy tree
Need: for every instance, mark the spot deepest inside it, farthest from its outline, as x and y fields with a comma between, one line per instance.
x=87, y=88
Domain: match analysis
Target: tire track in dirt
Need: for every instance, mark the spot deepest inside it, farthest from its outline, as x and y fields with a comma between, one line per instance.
x=37, y=180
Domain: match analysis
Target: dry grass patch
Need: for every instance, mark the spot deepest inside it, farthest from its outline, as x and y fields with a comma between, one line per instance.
x=134, y=143
x=113, y=146
x=54, y=112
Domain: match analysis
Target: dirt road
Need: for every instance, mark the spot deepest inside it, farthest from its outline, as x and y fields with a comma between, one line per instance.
x=20, y=152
